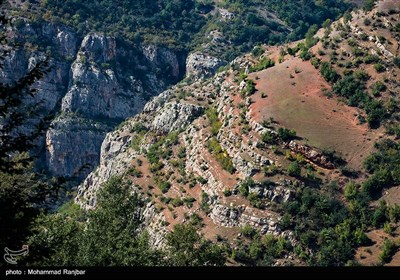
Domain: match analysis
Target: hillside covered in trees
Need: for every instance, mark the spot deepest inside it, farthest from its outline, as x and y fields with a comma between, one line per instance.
x=184, y=25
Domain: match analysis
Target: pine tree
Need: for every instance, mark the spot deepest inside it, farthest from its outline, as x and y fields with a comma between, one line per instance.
x=22, y=192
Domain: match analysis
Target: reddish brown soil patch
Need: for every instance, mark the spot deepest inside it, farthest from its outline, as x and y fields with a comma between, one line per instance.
x=395, y=260
x=392, y=195
x=146, y=181
x=387, y=5
x=211, y=230
x=370, y=255
x=296, y=101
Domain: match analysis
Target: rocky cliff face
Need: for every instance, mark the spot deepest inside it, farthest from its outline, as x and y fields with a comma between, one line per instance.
x=94, y=83
x=170, y=115
x=200, y=65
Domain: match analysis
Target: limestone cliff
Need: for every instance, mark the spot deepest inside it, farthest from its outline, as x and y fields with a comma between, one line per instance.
x=168, y=115
x=94, y=83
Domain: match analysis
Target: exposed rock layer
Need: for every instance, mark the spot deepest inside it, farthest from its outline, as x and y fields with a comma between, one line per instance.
x=94, y=83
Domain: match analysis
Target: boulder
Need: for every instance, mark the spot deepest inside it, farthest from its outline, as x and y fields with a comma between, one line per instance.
x=201, y=66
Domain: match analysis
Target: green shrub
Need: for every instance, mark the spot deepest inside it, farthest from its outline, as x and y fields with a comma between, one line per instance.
x=396, y=61
x=379, y=68
x=378, y=88
x=215, y=123
x=329, y=74
x=244, y=187
x=189, y=201
x=134, y=172
x=269, y=137
x=248, y=231
x=286, y=134
x=182, y=152
x=154, y=167
x=176, y=202
x=371, y=59
x=257, y=51
x=204, y=205
x=264, y=63
x=389, y=249
x=196, y=220
x=394, y=130
x=305, y=55
x=165, y=200
x=369, y=5
x=350, y=191
x=250, y=87
x=294, y=169
x=255, y=201
x=201, y=180
x=221, y=155
x=164, y=186
x=227, y=193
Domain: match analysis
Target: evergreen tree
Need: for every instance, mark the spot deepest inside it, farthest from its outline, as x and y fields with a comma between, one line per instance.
x=22, y=192
x=188, y=248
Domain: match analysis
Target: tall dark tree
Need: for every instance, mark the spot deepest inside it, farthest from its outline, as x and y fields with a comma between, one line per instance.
x=15, y=111
x=22, y=192
x=109, y=235
x=188, y=248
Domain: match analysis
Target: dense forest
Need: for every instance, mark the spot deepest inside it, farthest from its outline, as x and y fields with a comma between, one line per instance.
x=184, y=24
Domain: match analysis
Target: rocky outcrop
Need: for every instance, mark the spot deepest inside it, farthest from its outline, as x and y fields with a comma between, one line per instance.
x=198, y=163
x=115, y=153
x=241, y=216
x=95, y=90
x=94, y=82
x=226, y=15
x=311, y=155
x=62, y=43
x=387, y=54
x=99, y=48
x=153, y=222
x=175, y=116
x=226, y=216
x=109, y=83
x=205, y=168
x=61, y=49
x=200, y=66
x=72, y=144
x=164, y=58
x=14, y=66
x=273, y=192
x=114, y=159
x=63, y=39
x=157, y=102
x=245, y=157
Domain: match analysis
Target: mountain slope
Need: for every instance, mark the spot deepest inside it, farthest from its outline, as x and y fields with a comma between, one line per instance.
x=237, y=165
x=287, y=156
x=109, y=57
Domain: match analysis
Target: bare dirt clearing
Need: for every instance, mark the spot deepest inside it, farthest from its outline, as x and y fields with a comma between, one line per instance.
x=369, y=255
x=388, y=5
x=295, y=99
x=392, y=195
